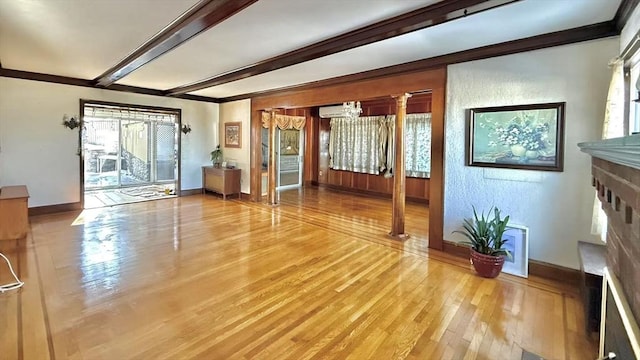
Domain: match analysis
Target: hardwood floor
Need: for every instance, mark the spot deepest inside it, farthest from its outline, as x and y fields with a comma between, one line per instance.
x=316, y=277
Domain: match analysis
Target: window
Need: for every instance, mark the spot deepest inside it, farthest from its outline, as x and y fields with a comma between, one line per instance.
x=366, y=144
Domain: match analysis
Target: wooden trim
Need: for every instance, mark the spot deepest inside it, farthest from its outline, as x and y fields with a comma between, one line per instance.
x=624, y=13
x=436, y=182
x=245, y=197
x=200, y=17
x=419, y=19
x=564, y=37
x=52, y=209
x=536, y=268
x=65, y=80
x=190, y=192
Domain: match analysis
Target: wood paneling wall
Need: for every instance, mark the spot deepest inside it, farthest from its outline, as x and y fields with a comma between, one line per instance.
x=417, y=189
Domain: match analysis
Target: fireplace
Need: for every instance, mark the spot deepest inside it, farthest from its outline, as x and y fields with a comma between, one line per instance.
x=616, y=177
x=619, y=334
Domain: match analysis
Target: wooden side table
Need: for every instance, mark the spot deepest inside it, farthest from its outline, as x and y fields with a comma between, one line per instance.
x=221, y=180
x=14, y=212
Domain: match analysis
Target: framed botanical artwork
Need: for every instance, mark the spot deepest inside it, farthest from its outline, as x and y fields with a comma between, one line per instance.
x=517, y=137
x=233, y=134
x=517, y=237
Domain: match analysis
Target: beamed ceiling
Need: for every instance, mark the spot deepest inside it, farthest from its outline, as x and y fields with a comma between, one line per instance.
x=221, y=50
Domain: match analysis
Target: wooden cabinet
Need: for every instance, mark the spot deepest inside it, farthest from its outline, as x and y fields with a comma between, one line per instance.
x=14, y=212
x=220, y=180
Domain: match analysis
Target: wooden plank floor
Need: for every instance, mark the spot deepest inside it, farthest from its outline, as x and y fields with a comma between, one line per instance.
x=316, y=277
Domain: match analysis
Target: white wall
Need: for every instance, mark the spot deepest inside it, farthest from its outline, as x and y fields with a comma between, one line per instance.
x=556, y=206
x=232, y=112
x=37, y=151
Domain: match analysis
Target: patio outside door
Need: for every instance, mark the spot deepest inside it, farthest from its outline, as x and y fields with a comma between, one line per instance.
x=124, y=149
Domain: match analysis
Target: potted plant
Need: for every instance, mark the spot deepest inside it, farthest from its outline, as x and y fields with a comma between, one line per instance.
x=216, y=156
x=487, y=245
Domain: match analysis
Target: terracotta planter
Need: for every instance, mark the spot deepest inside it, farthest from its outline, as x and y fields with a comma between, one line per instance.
x=487, y=265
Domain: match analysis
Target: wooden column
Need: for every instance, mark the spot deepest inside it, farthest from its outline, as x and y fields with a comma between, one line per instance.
x=399, y=176
x=271, y=197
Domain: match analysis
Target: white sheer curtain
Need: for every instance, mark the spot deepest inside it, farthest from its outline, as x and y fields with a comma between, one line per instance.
x=417, y=145
x=354, y=144
x=612, y=127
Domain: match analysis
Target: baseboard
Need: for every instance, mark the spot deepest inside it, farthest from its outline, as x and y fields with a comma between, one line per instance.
x=190, y=192
x=245, y=197
x=456, y=249
x=52, y=209
x=554, y=272
x=536, y=268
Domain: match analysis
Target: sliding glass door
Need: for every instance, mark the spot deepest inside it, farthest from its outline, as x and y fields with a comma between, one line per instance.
x=128, y=147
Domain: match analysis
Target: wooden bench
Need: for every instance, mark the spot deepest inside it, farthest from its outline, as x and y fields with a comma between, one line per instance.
x=592, y=263
x=14, y=212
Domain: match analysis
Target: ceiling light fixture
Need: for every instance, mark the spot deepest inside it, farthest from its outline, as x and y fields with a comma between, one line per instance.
x=351, y=109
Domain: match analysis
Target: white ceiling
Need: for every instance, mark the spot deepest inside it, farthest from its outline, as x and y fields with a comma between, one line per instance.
x=83, y=38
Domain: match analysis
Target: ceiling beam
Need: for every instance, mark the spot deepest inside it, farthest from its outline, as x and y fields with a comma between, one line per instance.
x=66, y=80
x=412, y=21
x=624, y=13
x=200, y=17
x=564, y=37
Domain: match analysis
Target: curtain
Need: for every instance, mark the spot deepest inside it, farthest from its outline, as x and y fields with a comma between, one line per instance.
x=354, y=144
x=284, y=122
x=417, y=145
x=613, y=126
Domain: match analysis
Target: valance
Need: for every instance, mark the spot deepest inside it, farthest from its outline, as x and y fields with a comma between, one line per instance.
x=284, y=122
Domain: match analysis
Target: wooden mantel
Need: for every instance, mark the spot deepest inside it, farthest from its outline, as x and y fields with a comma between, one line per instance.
x=616, y=177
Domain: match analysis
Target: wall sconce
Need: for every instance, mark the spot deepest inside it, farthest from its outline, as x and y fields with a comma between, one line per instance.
x=72, y=122
x=186, y=129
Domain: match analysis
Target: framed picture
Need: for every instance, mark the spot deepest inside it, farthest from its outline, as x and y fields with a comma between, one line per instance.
x=233, y=134
x=517, y=237
x=517, y=137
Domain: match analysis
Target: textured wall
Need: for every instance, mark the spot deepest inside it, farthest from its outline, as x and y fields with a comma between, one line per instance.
x=37, y=151
x=556, y=206
x=231, y=112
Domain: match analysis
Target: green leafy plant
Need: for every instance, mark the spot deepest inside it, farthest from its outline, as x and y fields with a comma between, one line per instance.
x=485, y=233
x=216, y=155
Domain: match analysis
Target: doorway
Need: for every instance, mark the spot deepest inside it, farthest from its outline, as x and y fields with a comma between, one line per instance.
x=130, y=153
x=289, y=158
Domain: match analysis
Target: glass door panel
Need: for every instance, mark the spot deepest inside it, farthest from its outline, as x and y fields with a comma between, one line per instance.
x=135, y=155
x=101, y=153
x=166, y=164
x=289, y=158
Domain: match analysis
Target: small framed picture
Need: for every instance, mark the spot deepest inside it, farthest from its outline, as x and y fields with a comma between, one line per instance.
x=517, y=237
x=224, y=164
x=233, y=134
